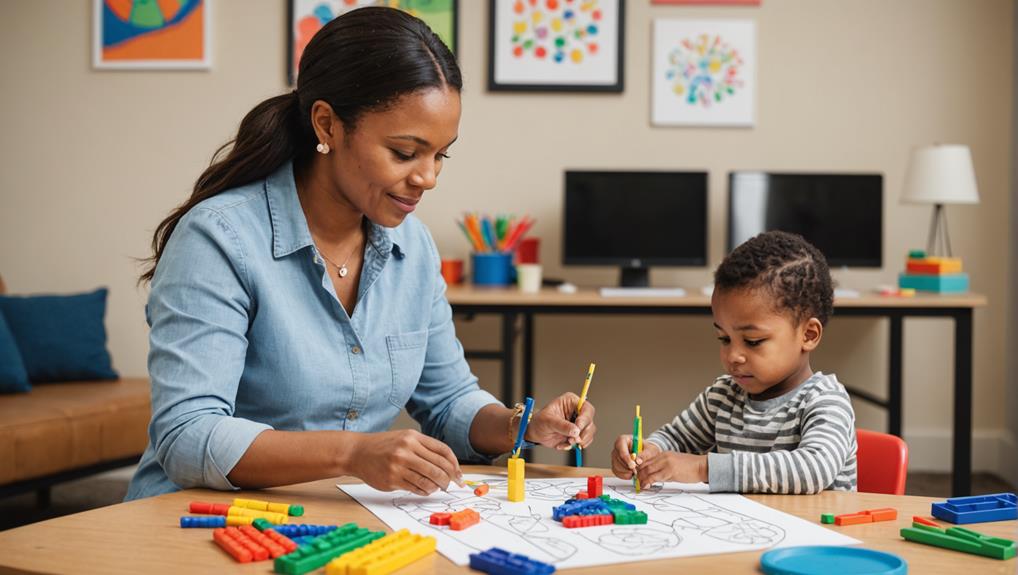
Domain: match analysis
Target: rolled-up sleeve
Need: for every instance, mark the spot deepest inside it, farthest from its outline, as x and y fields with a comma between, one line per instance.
x=199, y=311
x=447, y=398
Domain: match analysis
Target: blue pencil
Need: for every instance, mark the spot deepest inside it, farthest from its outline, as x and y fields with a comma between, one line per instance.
x=528, y=406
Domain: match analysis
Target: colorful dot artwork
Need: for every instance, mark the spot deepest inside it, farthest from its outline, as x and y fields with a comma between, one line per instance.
x=704, y=71
x=438, y=14
x=560, y=31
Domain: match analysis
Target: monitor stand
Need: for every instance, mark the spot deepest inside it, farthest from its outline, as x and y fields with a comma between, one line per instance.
x=636, y=276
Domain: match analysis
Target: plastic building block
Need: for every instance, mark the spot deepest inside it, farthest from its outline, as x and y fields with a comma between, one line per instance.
x=916, y=254
x=481, y=490
x=581, y=495
x=261, y=524
x=924, y=521
x=961, y=539
x=392, y=552
x=237, y=520
x=629, y=517
x=203, y=521
x=827, y=518
x=325, y=548
x=595, y=486
x=867, y=516
x=948, y=283
x=286, y=543
x=574, y=521
x=302, y=530
x=246, y=544
x=497, y=561
x=517, y=468
x=882, y=514
x=271, y=517
x=284, y=508
x=933, y=266
x=440, y=518
x=203, y=508
x=978, y=508
x=463, y=519
x=580, y=507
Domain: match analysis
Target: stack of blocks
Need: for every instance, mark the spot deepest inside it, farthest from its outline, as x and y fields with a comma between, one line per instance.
x=516, y=470
x=385, y=555
x=325, y=548
x=933, y=274
x=597, y=510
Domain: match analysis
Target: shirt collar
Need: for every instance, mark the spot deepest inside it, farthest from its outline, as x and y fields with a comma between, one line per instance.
x=290, y=228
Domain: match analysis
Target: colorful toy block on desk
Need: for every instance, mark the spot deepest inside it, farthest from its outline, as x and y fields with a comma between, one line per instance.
x=867, y=516
x=497, y=561
x=440, y=518
x=302, y=530
x=933, y=266
x=924, y=521
x=203, y=508
x=827, y=518
x=392, y=552
x=463, y=519
x=574, y=521
x=978, y=508
x=212, y=521
x=951, y=283
x=595, y=486
x=517, y=470
x=481, y=490
x=325, y=548
x=960, y=539
x=247, y=544
x=629, y=517
x=580, y=507
x=284, y=508
x=580, y=495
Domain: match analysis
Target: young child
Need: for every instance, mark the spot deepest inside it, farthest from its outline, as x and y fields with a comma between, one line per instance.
x=771, y=425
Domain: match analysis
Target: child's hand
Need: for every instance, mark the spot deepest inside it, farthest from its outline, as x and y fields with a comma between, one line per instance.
x=623, y=465
x=671, y=466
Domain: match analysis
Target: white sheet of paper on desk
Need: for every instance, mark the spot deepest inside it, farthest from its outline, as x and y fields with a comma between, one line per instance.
x=683, y=520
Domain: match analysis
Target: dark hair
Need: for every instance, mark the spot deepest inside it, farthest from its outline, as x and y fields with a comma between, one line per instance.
x=788, y=266
x=363, y=61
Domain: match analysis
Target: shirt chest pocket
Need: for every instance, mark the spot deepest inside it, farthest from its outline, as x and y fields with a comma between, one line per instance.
x=406, y=356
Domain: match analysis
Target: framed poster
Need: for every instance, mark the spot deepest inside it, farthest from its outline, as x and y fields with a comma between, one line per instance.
x=556, y=45
x=139, y=35
x=704, y=73
x=308, y=16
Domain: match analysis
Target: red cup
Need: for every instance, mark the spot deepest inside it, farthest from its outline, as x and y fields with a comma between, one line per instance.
x=528, y=251
x=452, y=271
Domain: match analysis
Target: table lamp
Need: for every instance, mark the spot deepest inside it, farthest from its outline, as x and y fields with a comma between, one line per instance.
x=940, y=174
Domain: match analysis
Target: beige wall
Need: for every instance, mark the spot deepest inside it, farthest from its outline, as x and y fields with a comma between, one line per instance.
x=93, y=160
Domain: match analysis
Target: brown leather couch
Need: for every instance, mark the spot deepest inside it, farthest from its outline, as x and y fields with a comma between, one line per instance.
x=63, y=431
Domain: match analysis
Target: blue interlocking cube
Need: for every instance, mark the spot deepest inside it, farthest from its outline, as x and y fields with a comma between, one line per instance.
x=580, y=507
x=977, y=509
x=496, y=561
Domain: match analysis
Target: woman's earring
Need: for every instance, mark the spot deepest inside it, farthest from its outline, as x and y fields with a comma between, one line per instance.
x=322, y=148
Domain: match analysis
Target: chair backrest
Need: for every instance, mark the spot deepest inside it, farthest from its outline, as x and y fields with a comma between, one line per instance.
x=882, y=461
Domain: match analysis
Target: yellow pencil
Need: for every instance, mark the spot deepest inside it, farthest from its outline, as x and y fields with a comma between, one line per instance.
x=579, y=406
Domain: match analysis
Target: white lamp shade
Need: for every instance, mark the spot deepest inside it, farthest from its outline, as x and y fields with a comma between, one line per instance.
x=941, y=174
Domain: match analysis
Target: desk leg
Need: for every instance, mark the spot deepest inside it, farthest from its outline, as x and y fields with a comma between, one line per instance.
x=961, y=468
x=528, y=354
x=894, y=377
x=508, y=356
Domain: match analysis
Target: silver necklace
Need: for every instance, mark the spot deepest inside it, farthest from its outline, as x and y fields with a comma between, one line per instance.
x=342, y=270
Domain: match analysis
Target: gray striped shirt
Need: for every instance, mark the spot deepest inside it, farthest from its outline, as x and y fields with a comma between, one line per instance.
x=800, y=442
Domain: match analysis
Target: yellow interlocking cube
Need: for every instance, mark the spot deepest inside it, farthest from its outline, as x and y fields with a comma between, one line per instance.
x=516, y=470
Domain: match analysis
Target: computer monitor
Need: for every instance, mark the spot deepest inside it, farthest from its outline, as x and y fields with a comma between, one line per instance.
x=840, y=214
x=635, y=220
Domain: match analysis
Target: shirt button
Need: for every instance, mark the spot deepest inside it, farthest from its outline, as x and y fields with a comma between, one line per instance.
x=352, y=414
x=355, y=349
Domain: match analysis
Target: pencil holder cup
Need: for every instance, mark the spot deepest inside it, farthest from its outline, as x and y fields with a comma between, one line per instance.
x=491, y=269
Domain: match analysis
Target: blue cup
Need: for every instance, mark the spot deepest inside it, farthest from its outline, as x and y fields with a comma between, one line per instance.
x=492, y=269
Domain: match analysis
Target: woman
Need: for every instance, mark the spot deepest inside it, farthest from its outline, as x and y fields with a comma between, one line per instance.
x=296, y=304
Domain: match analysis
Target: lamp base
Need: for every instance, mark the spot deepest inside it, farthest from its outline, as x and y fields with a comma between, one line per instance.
x=938, y=237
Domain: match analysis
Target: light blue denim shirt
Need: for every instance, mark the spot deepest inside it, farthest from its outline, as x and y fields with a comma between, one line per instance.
x=247, y=335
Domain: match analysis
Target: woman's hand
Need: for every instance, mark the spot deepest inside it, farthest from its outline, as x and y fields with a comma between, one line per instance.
x=404, y=459
x=623, y=465
x=553, y=426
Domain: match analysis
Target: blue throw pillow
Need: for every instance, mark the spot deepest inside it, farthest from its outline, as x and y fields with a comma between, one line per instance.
x=13, y=377
x=61, y=338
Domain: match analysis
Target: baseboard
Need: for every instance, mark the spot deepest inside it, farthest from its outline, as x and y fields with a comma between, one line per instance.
x=993, y=451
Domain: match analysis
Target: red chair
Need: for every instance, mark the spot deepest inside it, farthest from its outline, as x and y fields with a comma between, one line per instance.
x=882, y=462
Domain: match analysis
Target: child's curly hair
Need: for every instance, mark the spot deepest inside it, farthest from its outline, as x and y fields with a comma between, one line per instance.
x=794, y=271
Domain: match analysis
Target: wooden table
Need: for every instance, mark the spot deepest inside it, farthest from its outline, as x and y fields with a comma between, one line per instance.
x=143, y=536
x=515, y=307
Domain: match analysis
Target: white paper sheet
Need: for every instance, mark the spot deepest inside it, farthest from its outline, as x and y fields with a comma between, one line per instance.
x=683, y=520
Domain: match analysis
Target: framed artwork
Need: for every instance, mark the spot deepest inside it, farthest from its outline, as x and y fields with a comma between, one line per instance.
x=556, y=45
x=708, y=2
x=704, y=73
x=308, y=16
x=141, y=34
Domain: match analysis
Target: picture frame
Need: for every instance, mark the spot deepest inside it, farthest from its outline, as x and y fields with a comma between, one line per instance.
x=170, y=35
x=556, y=46
x=305, y=17
x=704, y=73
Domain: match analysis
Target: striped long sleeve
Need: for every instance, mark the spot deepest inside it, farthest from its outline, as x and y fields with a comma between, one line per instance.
x=800, y=442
